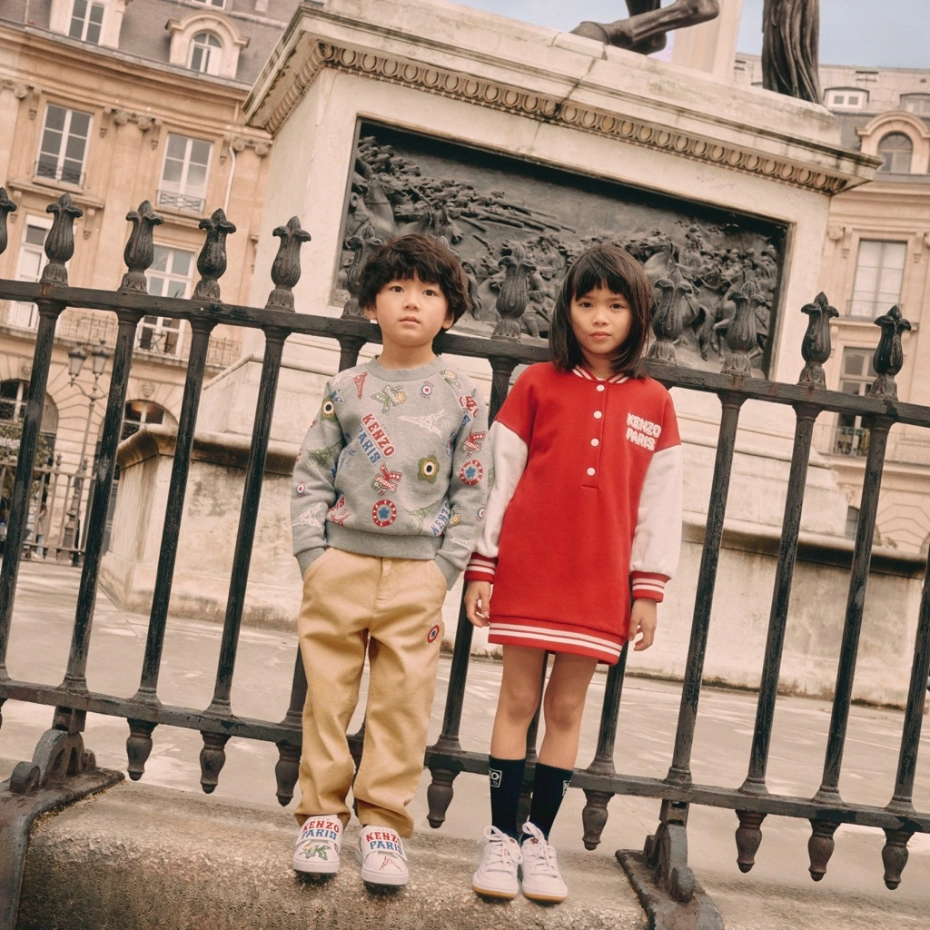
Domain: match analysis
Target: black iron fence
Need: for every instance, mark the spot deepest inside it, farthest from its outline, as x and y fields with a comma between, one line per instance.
x=665, y=860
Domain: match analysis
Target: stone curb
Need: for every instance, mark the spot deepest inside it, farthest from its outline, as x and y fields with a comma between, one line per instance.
x=140, y=858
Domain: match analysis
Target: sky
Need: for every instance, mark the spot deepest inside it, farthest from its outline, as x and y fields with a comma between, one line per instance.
x=876, y=33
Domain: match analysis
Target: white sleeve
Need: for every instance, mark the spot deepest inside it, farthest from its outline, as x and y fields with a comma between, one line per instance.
x=508, y=455
x=657, y=538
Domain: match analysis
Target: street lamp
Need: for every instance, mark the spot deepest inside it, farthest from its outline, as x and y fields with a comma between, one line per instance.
x=99, y=355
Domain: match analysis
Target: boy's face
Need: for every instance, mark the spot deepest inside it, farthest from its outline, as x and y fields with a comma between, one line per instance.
x=410, y=313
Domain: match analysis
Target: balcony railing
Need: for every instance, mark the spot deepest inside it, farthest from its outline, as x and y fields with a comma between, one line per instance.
x=180, y=201
x=850, y=440
x=67, y=174
x=89, y=328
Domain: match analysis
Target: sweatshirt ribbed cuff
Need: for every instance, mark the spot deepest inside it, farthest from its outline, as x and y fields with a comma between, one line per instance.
x=480, y=568
x=307, y=557
x=649, y=587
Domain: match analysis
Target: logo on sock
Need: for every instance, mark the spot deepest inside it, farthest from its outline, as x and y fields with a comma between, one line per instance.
x=495, y=775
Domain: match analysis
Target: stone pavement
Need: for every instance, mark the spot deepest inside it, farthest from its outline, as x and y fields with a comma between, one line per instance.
x=161, y=854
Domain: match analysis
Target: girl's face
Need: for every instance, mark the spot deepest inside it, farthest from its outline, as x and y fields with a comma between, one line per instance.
x=601, y=321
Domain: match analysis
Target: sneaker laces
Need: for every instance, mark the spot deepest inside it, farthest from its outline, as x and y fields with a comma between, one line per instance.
x=540, y=850
x=503, y=851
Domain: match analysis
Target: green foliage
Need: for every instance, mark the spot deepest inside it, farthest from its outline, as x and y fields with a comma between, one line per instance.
x=10, y=435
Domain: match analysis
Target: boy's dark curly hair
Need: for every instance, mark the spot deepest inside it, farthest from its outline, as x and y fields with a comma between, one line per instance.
x=405, y=256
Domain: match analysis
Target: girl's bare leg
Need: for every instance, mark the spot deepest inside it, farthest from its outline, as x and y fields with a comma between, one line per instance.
x=563, y=707
x=519, y=697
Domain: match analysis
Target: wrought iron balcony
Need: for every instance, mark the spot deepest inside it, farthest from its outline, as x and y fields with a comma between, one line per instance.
x=179, y=201
x=66, y=174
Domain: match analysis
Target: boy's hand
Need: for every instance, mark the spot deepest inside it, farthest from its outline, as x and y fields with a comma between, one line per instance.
x=643, y=621
x=478, y=602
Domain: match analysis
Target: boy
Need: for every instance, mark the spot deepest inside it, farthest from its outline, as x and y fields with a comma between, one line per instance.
x=388, y=497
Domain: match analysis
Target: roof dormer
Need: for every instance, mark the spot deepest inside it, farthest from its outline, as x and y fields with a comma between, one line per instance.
x=207, y=43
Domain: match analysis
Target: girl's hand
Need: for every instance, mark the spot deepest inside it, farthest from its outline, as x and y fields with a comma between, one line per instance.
x=478, y=603
x=643, y=621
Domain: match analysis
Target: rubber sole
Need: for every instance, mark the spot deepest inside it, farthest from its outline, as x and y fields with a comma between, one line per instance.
x=489, y=893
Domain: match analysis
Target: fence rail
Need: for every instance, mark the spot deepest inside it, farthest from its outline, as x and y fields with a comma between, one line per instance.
x=665, y=851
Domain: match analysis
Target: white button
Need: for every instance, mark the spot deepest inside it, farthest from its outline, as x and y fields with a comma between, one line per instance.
x=600, y=387
x=598, y=414
x=595, y=442
x=590, y=471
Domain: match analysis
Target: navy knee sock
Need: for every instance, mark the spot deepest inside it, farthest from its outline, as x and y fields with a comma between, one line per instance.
x=549, y=789
x=506, y=781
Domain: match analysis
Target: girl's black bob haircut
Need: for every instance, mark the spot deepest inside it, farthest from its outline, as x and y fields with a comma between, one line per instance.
x=613, y=268
x=404, y=257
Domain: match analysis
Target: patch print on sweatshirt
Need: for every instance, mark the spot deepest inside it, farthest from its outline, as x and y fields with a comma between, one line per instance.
x=386, y=480
x=391, y=396
x=642, y=432
x=374, y=441
x=384, y=513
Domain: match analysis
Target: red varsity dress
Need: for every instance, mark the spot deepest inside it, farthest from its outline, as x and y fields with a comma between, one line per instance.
x=584, y=508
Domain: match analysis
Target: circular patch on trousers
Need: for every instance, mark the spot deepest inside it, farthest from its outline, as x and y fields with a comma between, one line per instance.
x=433, y=633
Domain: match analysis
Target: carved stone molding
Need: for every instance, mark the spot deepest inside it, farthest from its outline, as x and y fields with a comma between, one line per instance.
x=119, y=116
x=492, y=95
x=238, y=144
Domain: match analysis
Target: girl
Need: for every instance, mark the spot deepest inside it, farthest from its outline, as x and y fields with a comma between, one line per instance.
x=583, y=518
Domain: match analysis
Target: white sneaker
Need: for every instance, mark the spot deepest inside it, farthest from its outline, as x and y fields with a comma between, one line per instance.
x=540, y=877
x=497, y=875
x=380, y=853
x=317, y=848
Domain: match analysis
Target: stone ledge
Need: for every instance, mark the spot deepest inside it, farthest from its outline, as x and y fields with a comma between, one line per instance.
x=141, y=858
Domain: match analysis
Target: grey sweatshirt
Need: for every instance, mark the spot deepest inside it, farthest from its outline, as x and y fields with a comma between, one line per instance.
x=394, y=466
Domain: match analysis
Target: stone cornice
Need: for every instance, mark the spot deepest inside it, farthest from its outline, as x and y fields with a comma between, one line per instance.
x=317, y=55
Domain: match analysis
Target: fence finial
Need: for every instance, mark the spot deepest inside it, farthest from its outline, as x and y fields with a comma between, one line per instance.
x=140, y=249
x=59, y=243
x=211, y=263
x=667, y=321
x=741, y=333
x=815, y=347
x=889, y=356
x=362, y=246
x=6, y=206
x=514, y=294
x=285, y=270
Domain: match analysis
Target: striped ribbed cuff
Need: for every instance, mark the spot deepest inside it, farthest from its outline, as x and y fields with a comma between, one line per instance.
x=480, y=568
x=648, y=586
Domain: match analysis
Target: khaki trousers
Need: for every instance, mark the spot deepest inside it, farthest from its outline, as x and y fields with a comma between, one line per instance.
x=391, y=608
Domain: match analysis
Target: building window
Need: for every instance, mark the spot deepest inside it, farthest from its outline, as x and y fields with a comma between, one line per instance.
x=64, y=145
x=896, y=149
x=856, y=377
x=13, y=396
x=879, y=274
x=916, y=103
x=218, y=4
x=184, y=177
x=138, y=413
x=169, y=276
x=86, y=21
x=206, y=52
x=29, y=268
x=846, y=98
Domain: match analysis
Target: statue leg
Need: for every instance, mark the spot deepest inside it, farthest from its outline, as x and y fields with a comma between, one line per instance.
x=644, y=30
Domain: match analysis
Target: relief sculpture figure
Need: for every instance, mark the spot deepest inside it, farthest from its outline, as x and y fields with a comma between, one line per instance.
x=695, y=262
